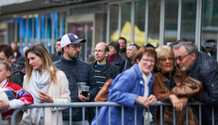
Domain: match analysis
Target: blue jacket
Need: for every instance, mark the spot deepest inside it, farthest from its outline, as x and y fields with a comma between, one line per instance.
x=84, y=73
x=125, y=88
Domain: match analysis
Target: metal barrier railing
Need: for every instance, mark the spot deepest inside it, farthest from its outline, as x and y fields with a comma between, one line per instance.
x=99, y=104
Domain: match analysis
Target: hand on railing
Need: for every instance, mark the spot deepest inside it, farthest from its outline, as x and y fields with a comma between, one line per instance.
x=177, y=103
x=184, y=101
x=151, y=100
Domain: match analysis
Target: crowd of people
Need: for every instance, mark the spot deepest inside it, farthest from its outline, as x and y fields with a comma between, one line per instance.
x=178, y=74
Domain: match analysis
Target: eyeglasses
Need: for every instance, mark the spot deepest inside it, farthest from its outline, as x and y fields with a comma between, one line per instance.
x=165, y=59
x=147, y=60
x=75, y=46
x=131, y=44
x=98, y=51
x=180, y=58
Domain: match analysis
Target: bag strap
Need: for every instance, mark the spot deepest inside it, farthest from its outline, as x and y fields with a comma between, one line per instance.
x=68, y=70
x=191, y=82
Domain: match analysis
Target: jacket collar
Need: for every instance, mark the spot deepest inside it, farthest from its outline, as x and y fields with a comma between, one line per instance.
x=68, y=62
x=104, y=68
x=137, y=70
x=178, y=73
x=195, y=62
x=139, y=75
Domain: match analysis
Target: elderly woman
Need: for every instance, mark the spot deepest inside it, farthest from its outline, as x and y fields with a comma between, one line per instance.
x=132, y=89
x=169, y=77
x=47, y=84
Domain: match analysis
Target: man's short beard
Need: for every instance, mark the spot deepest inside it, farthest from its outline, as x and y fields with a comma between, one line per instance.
x=73, y=57
x=100, y=61
x=123, y=50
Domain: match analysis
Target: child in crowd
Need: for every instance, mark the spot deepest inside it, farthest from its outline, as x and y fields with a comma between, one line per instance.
x=17, y=96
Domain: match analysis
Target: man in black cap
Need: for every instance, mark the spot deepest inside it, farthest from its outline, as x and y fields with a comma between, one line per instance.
x=76, y=71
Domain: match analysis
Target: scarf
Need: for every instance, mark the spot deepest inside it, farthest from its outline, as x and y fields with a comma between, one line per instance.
x=39, y=82
x=146, y=94
x=146, y=79
x=111, y=58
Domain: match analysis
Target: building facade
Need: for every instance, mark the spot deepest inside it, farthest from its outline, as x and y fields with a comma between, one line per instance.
x=158, y=22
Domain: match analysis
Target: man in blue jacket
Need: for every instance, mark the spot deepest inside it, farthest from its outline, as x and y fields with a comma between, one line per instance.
x=76, y=71
x=203, y=68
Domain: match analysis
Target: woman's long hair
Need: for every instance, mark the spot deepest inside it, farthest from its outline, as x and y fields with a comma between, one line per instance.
x=40, y=51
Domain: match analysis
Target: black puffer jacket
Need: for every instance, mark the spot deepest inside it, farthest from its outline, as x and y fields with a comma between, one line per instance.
x=17, y=74
x=127, y=64
x=109, y=71
x=56, y=56
x=205, y=69
x=84, y=73
x=118, y=62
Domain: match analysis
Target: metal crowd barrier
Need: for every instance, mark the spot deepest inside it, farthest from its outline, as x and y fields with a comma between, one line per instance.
x=99, y=104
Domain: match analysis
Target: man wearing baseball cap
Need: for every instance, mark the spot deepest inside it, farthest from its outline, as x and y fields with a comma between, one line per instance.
x=76, y=71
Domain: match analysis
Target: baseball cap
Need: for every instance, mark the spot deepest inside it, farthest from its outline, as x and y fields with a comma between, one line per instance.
x=70, y=38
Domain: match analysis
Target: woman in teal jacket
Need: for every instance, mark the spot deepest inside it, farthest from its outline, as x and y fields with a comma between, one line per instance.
x=132, y=88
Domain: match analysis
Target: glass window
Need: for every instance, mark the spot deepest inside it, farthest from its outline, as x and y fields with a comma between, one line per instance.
x=49, y=25
x=154, y=22
x=63, y=22
x=114, y=33
x=36, y=27
x=42, y=26
x=171, y=20
x=126, y=21
x=210, y=28
x=29, y=28
x=188, y=19
x=23, y=28
x=139, y=29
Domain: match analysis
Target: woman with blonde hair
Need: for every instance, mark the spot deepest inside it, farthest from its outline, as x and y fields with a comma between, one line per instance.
x=169, y=81
x=46, y=83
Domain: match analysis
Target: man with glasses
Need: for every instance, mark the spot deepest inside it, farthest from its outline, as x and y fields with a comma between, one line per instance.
x=203, y=68
x=102, y=68
x=76, y=71
x=131, y=51
x=57, y=54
